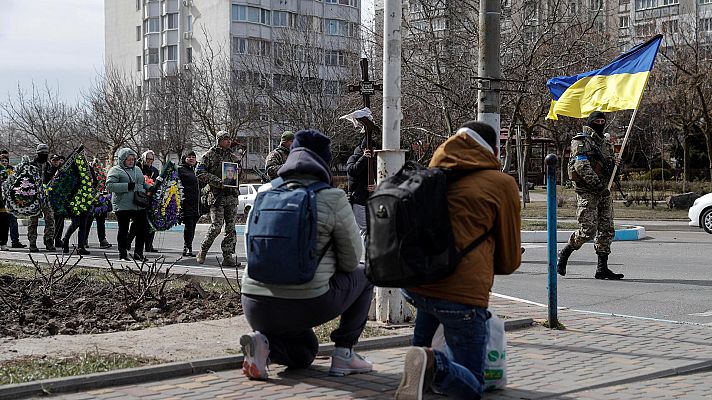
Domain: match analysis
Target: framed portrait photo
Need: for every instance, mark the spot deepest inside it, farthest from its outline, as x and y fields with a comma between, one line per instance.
x=229, y=174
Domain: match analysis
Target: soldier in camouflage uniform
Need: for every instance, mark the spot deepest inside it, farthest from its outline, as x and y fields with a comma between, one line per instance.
x=277, y=157
x=223, y=200
x=46, y=173
x=590, y=170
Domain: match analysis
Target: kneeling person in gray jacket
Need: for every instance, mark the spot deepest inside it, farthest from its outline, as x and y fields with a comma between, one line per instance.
x=283, y=315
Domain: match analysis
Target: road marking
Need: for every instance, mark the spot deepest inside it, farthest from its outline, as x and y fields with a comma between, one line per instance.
x=702, y=314
x=504, y=296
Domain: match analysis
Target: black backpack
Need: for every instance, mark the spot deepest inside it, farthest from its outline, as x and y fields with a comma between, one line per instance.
x=410, y=240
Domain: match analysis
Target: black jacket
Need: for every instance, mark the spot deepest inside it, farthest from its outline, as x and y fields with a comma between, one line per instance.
x=191, y=190
x=46, y=170
x=357, y=171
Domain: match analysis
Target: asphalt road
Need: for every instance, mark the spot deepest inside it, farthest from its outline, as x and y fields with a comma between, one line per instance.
x=667, y=276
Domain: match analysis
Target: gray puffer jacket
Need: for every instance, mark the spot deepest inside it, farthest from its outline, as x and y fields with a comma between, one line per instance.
x=335, y=221
x=117, y=182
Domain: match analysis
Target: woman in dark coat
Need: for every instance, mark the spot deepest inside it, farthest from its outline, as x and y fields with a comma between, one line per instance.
x=191, y=200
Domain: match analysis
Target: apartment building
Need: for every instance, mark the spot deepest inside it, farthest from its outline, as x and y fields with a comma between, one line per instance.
x=150, y=40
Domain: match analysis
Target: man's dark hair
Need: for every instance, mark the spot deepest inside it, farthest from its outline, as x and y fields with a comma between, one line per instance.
x=484, y=130
x=4, y=151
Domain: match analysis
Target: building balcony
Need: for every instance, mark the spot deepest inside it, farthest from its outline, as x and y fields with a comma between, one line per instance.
x=151, y=41
x=151, y=71
x=170, y=37
x=170, y=68
x=170, y=6
x=151, y=9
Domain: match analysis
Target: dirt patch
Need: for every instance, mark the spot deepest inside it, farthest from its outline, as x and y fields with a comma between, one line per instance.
x=78, y=306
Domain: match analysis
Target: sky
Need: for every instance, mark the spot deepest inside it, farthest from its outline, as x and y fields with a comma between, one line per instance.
x=58, y=42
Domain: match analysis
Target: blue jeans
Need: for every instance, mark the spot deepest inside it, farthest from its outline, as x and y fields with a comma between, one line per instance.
x=466, y=334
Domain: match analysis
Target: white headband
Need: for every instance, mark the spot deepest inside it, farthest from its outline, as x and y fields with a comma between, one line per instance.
x=477, y=138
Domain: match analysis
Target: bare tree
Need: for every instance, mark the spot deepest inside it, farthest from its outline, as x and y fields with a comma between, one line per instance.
x=39, y=116
x=113, y=114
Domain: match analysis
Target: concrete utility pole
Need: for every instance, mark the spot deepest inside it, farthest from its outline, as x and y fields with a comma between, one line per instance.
x=390, y=306
x=489, y=66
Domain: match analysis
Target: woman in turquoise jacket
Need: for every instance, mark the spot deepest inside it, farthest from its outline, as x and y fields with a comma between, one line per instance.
x=123, y=181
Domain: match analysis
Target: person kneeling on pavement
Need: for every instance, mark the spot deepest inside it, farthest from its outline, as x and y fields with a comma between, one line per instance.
x=283, y=315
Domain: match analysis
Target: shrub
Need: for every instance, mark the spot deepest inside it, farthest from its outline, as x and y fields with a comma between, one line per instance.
x=657, y=174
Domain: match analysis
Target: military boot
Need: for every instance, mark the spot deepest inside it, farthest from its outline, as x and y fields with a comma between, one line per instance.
x=34, y=248
x=602, y=271
x=563, y=259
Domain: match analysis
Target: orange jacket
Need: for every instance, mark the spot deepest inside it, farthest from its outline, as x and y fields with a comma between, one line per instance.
x=485, y=199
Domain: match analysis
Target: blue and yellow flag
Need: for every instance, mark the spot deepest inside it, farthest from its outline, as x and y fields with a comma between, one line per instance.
x=617, y=86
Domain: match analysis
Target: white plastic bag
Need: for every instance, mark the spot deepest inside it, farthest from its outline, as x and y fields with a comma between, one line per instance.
x=495, y=360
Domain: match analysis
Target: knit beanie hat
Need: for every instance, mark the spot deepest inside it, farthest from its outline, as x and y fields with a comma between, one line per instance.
x=221, y=135
x=314, y=141
x=42, y=149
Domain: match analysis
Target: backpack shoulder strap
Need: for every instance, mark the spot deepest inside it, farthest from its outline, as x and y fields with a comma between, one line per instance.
x=475, y=243
x=317, y=186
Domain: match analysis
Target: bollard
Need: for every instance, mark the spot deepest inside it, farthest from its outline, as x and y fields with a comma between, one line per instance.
x=551, y=161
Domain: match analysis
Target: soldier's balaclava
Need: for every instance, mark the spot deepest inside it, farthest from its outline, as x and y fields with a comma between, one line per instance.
x=598, y=128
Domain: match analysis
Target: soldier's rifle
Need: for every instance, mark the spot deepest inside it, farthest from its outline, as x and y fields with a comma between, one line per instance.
x=612, y=172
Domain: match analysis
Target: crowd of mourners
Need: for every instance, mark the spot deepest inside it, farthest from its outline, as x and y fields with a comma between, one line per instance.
x=43, y=184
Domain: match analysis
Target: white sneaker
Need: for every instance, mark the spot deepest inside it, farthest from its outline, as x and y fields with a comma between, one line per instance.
x=352, y=364
x=3, y=247
x=255, y=348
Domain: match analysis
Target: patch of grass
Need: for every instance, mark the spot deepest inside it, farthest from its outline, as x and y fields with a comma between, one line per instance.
x=323, y=331
x=635, y=211
x=559, y=326
x=37, y=368
x=528, y=225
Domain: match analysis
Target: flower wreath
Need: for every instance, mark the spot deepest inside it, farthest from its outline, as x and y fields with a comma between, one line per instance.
x=23, y=190
x=71, y=190
x=166, y=202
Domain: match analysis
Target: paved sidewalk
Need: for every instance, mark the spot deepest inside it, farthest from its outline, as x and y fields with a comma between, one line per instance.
x=596, y=357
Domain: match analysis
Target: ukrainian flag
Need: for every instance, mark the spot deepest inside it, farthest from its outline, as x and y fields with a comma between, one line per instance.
x=617, y=86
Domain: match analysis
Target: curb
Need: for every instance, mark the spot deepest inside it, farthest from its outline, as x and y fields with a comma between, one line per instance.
x=626, y=234
x=184, y=368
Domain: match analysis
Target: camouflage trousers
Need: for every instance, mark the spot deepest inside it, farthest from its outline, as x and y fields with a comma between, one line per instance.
x=48, y=214
x=222, y=212
x=595, y=215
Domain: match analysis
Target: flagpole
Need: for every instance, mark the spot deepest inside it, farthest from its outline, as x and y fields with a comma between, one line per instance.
x=627, y=133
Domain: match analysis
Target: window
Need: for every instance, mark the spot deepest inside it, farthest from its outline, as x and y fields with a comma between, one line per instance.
x=646, y=4
x=705, y=1
x=339, y=27
x=151, y=56
x=189, y=55
x=250, y=14
x=257, y=47
x=572, y=8
x=152, y=25
x=283, y=18
x=139, y=63
x=331, y=87
x=623, y=21
x=352, y=3
x=706, y=24
x=170, y=53
x=334, y=58
x=439, y=24
x=596, y=5
x=671, y=26
x=138, y=5
x=170, y=21
x=239, y=45
x=189, y=23
x=416, y=7
x=138, y=33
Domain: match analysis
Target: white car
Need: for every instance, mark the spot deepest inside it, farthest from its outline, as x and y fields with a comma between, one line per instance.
x=248, y=192
x=700, y=213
